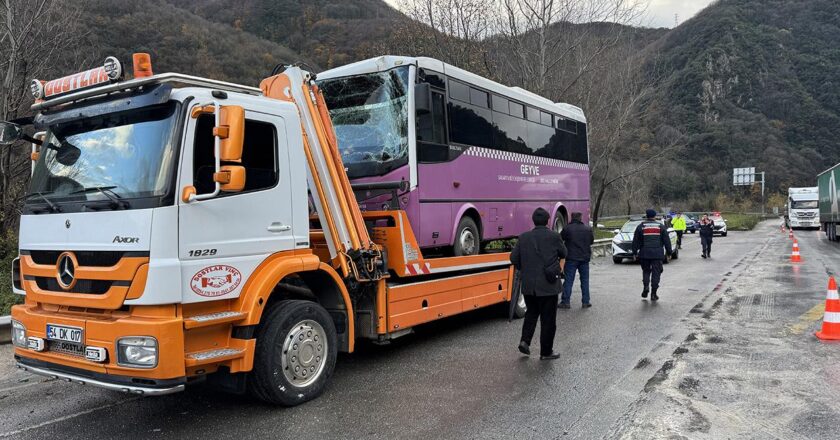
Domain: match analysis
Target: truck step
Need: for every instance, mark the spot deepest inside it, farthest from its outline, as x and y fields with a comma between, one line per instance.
x=215, y=355
x=212, y=319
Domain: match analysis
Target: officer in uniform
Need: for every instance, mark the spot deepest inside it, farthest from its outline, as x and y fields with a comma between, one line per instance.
x=648, y=242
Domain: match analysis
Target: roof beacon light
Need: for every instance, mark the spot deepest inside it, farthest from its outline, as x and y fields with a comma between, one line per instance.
x=142, y=65
x=110, y=71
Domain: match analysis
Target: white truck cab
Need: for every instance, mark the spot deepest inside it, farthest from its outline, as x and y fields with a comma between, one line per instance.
x=803, y=207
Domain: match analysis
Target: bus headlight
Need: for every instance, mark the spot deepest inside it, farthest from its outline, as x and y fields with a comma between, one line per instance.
x=137, y=352
x=18, y=334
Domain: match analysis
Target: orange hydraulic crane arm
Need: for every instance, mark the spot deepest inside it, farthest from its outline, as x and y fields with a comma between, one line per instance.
x=344, y=228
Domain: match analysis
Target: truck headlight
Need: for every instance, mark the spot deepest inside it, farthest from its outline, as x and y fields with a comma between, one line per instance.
x=18, y=334
x=137, y=352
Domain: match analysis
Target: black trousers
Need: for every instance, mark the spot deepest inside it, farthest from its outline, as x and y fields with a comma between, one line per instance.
x=543, y=308
x=679, y=238
x=651, y=272
x=707, y=245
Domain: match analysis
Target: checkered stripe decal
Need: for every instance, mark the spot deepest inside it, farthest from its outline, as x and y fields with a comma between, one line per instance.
x=524, y=158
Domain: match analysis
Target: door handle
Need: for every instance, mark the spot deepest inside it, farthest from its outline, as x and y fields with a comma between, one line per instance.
x=278, y=227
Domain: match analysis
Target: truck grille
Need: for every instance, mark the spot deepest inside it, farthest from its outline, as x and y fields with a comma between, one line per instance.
x=90, y=287
x=85, y=258
x=806, y=214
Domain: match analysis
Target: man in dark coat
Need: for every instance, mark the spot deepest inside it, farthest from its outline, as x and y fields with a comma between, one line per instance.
x=578, y=239
x=648, y=242
x=538, y=255
x=707, y=231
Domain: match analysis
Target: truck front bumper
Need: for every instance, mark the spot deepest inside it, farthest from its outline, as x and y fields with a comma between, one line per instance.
x=103, y=330
x=113, y=383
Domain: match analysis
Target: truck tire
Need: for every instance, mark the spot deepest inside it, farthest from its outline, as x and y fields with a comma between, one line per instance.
x=467, y=238
x=295, y=354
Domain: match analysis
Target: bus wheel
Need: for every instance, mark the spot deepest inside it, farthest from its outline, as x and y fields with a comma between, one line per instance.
x=467, y=239
x=295, y=354
x=559, y=222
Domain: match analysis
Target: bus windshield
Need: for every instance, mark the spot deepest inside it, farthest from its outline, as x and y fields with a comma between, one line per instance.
x=370, y=116
x=119, y=155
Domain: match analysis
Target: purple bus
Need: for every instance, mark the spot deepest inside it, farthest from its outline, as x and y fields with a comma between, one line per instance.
x=467, y=158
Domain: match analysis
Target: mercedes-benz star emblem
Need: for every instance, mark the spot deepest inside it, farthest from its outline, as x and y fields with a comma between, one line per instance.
x=67, y=223
x=66, y=271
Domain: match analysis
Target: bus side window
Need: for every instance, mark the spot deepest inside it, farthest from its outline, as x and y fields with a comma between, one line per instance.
x=431, y=132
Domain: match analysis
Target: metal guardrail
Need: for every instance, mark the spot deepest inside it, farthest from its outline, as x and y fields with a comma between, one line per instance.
x=5, y=329
x=602, y=247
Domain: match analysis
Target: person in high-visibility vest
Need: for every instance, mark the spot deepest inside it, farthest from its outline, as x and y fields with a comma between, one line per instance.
x=678, y=223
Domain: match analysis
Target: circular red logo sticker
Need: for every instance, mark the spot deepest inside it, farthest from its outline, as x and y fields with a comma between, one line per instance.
x=215, y=280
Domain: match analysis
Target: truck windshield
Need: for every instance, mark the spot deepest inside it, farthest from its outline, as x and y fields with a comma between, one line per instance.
x=804, y=204
x=370, y=116
x=125, y=155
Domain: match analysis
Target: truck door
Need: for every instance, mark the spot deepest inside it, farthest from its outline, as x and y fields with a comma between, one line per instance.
x=223, y=239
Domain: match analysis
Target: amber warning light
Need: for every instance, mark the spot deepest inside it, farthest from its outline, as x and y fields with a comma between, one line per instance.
x=109, y=72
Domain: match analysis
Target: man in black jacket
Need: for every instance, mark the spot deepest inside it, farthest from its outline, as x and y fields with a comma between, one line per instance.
x=578, y=238
x=538, y=255
x=648, y=241
x=707, y=231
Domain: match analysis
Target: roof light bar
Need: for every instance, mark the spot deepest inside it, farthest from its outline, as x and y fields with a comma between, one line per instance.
x=110, y=71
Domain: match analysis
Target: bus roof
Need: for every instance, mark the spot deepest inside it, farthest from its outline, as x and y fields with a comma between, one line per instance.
x=387, y=62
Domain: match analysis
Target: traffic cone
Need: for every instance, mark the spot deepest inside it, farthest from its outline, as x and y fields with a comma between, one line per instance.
x=790, y=234
x=794, y=256
x=831, y=319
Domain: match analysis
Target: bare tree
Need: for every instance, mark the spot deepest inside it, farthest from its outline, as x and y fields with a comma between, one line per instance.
x=550, y=44
x=454, y=31
x=35, y=36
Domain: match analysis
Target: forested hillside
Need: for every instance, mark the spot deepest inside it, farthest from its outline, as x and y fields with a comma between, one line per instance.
x=179, y=40
x=751, y=83
x=329, y=32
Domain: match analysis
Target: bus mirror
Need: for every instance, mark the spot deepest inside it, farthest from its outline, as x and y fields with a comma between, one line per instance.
x=231, y=178
x=231, y=133
x=9, y=133
x=422, y=98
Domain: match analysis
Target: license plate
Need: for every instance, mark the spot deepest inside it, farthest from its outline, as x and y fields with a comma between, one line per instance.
x=63, y=333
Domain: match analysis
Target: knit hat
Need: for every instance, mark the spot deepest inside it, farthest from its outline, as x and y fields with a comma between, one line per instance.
x=650, y=213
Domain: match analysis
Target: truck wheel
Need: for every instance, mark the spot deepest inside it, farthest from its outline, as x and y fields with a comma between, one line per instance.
x=295, y=353
x=467, y=238
x=618, y=260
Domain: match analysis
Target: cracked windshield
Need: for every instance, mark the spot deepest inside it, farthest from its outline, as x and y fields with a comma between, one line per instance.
x=121, y=155
x=370, y=116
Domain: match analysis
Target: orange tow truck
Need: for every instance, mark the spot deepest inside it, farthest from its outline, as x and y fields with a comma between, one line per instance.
x=181, y=229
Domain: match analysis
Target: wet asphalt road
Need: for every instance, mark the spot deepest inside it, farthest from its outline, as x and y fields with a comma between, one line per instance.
x=461, y=378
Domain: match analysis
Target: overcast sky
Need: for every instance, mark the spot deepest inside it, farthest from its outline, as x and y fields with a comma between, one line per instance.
x=662, y=12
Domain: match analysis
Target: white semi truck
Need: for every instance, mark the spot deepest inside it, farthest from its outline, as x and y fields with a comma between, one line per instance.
x=803, y=207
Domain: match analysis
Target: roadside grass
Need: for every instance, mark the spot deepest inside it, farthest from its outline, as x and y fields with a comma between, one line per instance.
x=604, y=233
x=740, y=222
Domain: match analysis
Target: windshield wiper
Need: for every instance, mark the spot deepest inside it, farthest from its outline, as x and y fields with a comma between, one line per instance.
x=52, y=206
x=107, y=191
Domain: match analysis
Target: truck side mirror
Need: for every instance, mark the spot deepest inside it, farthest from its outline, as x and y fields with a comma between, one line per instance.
x=10, y=132
x=422, y=98
x=231, y=178
x=231, y=133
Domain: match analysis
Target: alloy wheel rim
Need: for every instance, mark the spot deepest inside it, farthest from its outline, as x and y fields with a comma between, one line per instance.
x=304, y=354
x=467, y=240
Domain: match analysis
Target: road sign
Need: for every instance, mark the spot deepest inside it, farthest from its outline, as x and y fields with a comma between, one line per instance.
x=743, y=176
